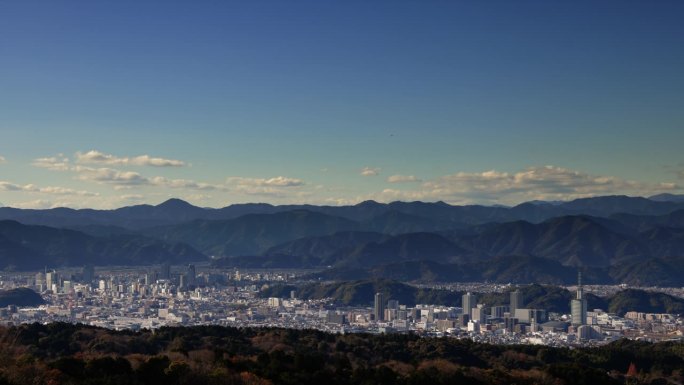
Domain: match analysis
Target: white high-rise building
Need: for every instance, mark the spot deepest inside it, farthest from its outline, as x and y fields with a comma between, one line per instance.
x=469, y=301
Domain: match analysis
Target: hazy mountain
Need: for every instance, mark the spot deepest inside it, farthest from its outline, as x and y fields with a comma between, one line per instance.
x=664, y=241
x=397, y=222
x=536, y=212
x=175, y=211
x=667, y=271
x=103, y=230
x=571, y=240
x=171, y=211
x=667, y=198
x=505, y=269
x=14, y=254
x=30, y=247
x=254, y=233
x=367, y=235
x=328, y=249
x=608, y=205
x=419, y=271
x=645, y=222
x=413, y=246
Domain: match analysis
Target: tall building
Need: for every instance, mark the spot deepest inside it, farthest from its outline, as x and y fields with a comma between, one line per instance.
x=88, y=273
x=40, y=281
x=379, y=308
x=51, y=279
x=516, y=301
x=479, y=314
x=191, y=276
x=165, y=272
x=469, y=301
x=578, y=306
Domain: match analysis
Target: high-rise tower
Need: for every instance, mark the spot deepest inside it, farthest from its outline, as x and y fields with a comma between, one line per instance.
x=516, y=301
x=469, y=301
x=578, y=306
x=379, y=308
x=191, y=276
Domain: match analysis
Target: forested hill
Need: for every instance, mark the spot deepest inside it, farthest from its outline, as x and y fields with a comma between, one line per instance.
x=76, y=354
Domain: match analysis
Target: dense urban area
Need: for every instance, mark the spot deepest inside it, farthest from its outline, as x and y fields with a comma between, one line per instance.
x=153, y=297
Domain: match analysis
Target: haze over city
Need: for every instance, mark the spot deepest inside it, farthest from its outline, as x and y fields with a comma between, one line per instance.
x=106, y=105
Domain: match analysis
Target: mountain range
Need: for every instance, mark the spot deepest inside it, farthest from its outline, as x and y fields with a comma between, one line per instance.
x=612, y=238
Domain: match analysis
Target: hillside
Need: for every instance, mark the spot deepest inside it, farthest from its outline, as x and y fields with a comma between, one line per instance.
x=328, y=248
x=673, y=219
x=652, y=272
x=34, y=247
x=571, y=240
x=363, y=292
x=254, y=233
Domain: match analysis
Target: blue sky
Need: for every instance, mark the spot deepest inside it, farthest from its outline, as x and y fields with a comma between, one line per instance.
x=106, y=104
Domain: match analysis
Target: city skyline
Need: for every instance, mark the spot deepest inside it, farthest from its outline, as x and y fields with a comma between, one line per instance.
x=110, y=105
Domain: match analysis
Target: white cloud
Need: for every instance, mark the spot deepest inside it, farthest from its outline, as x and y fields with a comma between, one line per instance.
x=56, y=163
x=276, y=187
x=402, y=179
x=110, y=175
x=2, y=159
x=66, y=191
x=539, y=182
x=97, y=157
x=31, y=188
x=279, y=181
x=370, y=171
x=184, y=183
x=129, y=179
x=38, y=204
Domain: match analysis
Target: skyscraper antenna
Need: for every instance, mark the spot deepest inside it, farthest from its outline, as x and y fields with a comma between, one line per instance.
x=579, y=278
x=580, y=293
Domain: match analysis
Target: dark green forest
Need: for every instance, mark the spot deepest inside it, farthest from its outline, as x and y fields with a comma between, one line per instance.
x=75, y=354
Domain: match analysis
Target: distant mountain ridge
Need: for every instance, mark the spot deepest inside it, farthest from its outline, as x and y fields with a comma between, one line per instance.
x=611, y=236
x=667, y=197
x=176, y=211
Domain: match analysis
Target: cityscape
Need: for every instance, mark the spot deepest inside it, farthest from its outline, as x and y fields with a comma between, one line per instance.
x=154, y=297
x=342, y=192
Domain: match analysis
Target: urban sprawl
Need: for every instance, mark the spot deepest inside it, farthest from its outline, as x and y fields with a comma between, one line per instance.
x=135, y=298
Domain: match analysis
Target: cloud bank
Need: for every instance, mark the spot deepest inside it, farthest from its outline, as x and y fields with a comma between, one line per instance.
x=97, y=157
x=539, y=182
